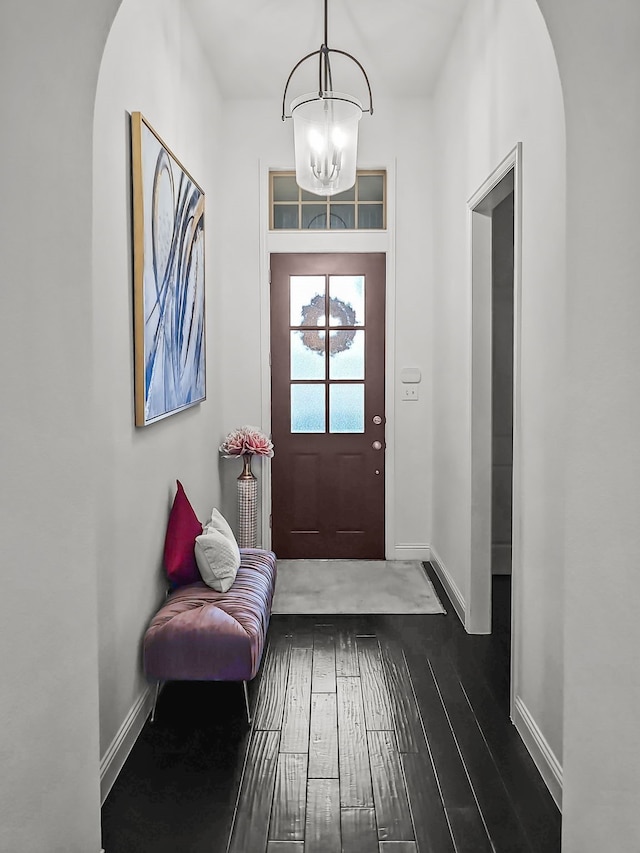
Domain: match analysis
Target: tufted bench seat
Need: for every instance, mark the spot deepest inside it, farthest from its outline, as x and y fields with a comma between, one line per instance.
x=200, y=634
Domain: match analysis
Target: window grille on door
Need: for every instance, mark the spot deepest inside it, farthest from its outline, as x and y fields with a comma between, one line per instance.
x=327, y=365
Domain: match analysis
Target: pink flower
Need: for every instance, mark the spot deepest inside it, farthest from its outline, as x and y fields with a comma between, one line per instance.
x=246, y=439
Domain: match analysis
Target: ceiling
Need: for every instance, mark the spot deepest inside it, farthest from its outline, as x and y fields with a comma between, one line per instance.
x=254, y=44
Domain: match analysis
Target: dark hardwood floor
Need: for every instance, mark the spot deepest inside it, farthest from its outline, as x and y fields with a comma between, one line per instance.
x=371, y=734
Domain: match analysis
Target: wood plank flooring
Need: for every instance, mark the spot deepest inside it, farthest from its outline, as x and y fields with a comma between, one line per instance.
x=373, y=734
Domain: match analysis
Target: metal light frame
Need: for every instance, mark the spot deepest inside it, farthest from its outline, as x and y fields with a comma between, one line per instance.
x=324, y=70
x=326, y=179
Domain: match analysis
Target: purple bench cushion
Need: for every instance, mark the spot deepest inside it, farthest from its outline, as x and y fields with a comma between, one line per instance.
x=200, y=634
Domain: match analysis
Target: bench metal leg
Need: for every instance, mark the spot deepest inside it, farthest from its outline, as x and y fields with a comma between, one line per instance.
x=246, y=701
x=155, y=701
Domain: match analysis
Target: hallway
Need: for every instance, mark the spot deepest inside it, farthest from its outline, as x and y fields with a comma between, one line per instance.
x=371, y=733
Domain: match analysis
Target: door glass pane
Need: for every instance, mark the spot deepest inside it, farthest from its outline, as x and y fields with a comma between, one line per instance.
x=342, y=216
x=346, y=293
x=307, y=300
x=307, y=408
x=314, y=216
x=307, y=355
x=346, y=408
x=347, y=354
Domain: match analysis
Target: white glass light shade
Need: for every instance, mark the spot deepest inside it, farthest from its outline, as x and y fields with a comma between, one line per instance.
x=325, y=136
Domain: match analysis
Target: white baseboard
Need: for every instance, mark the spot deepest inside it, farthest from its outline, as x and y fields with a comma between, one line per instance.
x=542, y=754
x=451, y=587
x=411, y=552
x=114, y=758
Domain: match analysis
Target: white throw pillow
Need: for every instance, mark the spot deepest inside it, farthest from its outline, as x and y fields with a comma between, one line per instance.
x=218, y=559
x=218, y=522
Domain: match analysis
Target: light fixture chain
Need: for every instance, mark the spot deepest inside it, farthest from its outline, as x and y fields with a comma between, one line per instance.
x=326, y=24
x=325, y=68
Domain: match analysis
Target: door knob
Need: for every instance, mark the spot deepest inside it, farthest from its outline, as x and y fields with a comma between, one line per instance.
x=377, y=445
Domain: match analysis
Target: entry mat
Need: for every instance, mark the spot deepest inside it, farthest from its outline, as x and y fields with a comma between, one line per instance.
x=354, y=586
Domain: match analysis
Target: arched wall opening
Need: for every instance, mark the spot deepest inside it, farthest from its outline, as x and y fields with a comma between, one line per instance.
x=49, y=61
x=597, y=430
x=140, y=64
x=153, y=62
x=53, y=667
x=499, y=91
x=492, y=95
x=596, y=50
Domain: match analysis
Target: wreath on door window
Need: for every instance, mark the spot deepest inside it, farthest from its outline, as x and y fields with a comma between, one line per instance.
x=339, y=339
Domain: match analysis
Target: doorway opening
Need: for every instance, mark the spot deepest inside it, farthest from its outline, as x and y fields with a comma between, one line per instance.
x=495, y=275
x=502, y=317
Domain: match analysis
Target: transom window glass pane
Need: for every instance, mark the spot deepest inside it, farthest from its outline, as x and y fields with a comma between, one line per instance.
x=346, y=408
x=307, y=196
x=307, y=355
x=346, y=350
x=314, y=216
x=347, y=195
x=370, y=216
x=346, y=294
x=307, y=408
x=342, y=216
x=370, y=188
x=285, y=216
x=306, y=294
x=285, y=188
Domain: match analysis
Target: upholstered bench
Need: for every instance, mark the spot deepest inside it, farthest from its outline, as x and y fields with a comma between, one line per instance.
x=199, y=634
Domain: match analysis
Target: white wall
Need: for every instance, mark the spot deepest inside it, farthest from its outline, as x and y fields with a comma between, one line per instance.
x=597, y=49
x=397, y=137
x=152, y=63
x=49, y=754
x=500, y=85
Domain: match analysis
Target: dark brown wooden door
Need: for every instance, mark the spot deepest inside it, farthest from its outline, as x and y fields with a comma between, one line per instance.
x=328, y=420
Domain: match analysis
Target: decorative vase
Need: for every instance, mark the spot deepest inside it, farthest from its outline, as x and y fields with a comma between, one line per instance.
x=247, y=505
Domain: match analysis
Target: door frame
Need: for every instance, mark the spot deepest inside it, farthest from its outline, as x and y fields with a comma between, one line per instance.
x=480, y=206
x=293, y=242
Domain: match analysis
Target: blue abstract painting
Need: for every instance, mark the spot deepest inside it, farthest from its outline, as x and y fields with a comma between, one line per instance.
x=169, y=280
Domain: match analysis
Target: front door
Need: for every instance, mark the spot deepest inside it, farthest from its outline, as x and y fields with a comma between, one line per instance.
x=328, y=420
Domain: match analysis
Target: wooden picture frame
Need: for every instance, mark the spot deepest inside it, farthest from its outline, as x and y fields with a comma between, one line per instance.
x=168, y=279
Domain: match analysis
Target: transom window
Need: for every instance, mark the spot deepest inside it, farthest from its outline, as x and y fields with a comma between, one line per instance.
x=361, y=207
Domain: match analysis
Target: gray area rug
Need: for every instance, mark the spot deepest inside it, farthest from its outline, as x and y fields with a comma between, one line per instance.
x=354, y=586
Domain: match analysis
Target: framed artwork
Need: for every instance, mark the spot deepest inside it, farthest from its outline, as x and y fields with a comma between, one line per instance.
x=169, y=279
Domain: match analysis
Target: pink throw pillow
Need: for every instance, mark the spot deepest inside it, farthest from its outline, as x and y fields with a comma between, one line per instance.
x=179, y=544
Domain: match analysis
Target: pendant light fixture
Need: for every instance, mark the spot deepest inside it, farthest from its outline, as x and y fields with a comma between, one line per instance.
x=325, y=127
